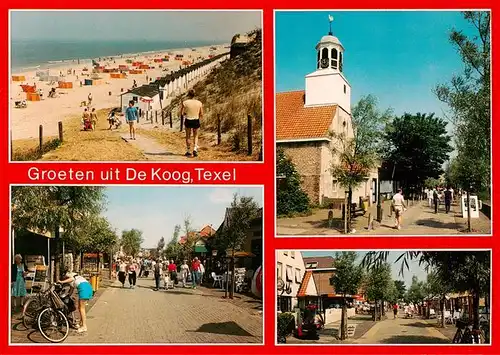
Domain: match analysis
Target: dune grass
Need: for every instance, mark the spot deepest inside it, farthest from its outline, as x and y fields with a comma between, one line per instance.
x=79, y=145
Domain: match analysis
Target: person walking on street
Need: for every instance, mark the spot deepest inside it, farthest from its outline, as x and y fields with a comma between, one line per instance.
x=202, y=272
x=132, y=275
x=435, y=198
x=395, y=310
x=399, y=204
x=131, y=117
x=192, y=109
x=447, y=199
x=184, y=272
x=429, y=197
x=122, y=272
x=195, y=272
x=172, y=271
x=157, y=273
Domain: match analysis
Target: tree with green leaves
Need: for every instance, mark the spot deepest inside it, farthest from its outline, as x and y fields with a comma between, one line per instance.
x=357, y=150
x=417, y=292
x=55, y=208
x=172, y=251
x=291, y=198
x=346, y=281
x=400, y=289
x=468, y=271
x=240, y=215
x=160, y=246
x=131, y=241
x=418, y=146
x=439, y=285
x=378, y=284
x=468, y=95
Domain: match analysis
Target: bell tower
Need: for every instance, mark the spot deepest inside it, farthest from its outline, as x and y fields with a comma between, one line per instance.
x=328, y=85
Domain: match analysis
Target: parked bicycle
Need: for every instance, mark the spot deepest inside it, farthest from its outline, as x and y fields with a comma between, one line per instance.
x=465, y=334
x=49, y=312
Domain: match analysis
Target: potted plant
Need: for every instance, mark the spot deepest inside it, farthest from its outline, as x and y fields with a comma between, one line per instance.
x=286, y=325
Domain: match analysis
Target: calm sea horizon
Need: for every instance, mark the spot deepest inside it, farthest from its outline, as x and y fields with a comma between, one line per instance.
x=29, y=54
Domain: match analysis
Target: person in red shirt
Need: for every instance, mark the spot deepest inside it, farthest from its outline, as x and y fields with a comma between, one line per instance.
x=172, y=270
x=395, y=310
x=195, y=272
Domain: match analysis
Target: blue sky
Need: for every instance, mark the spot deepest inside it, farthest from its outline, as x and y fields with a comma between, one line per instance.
x=414, y=270
x=397, y=56
x=156, y=210
x=213, y=26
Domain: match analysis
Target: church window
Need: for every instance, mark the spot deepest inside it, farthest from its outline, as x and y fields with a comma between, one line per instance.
x=334, y=61
x=334, y=185
x=341, y=61
x=319, y=62
x=334, y=53
x=324, y=53
x=345, y=89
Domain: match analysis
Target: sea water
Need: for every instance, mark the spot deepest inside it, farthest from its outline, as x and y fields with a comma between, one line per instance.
x=27, y=55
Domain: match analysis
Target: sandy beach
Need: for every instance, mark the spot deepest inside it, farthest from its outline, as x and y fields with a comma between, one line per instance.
x=24, y=122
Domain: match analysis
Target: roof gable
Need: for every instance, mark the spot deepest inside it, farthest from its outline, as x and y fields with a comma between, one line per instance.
x=296, y=122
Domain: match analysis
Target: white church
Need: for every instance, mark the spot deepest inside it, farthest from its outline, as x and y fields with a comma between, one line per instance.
x=304, y=120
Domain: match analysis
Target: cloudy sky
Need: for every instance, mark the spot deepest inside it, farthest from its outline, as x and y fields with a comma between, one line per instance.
x=213, y=26
x=156, y=210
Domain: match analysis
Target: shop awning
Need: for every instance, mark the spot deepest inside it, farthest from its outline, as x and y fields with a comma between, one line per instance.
x=200, y=249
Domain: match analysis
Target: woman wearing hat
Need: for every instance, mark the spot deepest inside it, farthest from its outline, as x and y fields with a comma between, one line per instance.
x=85, y=293
x=18, y=272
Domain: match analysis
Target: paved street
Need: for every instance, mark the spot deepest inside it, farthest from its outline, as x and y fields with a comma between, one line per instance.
x=183, y=315
x=403, y=331
x=419, y=219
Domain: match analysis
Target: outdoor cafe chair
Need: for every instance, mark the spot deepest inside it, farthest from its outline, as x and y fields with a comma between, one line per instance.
x=217, y=279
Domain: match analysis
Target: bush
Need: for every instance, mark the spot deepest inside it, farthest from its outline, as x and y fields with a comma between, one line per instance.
x=286, y=325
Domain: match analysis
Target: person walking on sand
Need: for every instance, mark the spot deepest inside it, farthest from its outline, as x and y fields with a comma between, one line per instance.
x=399, y=204
x=192, y=110
x=131, y=116
x=89, y=100
x=93, y=119
x=85, y=293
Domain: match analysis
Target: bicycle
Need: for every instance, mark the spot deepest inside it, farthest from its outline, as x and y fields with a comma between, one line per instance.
x=49, y=312
x=465, y=334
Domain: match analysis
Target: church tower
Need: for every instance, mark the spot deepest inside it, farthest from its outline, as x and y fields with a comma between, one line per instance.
x=328, y=85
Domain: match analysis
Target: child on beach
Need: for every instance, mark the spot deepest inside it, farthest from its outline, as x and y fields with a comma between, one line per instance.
x=131, y=117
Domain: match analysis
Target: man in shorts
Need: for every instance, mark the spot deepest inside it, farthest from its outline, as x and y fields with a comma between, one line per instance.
x=192, y=109
x=131, y=116
x=398, y=202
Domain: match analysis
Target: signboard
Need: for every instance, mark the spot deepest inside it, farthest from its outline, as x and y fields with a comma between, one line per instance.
x=351, y=329
x=40, y=274
x=474, y=204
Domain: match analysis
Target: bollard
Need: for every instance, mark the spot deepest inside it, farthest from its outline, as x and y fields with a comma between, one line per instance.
x=249, y=134
x=60, y=124
x=370, y=222
x=40, y=138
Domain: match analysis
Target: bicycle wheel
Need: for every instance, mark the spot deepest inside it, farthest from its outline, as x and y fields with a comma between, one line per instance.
x=53, y=325
x=31, y=310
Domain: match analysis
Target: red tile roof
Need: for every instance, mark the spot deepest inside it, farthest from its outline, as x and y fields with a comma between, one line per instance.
x=303, y=285
x=323, y=261
x=294, y=121
x=207, y=231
